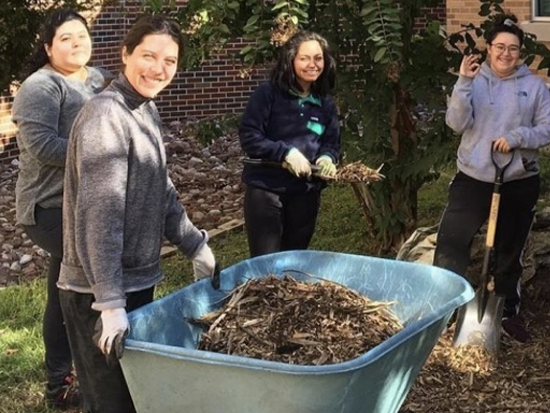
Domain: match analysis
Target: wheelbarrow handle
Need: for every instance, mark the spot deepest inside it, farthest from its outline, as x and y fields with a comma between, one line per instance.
x=216, y=277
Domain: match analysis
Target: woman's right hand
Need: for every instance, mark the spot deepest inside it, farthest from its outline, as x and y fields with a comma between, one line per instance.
x=470, y=66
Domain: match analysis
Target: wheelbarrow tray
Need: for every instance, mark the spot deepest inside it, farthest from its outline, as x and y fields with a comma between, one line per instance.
x=166, y=374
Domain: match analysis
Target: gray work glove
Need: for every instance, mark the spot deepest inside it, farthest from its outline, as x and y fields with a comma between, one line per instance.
x=203, y=263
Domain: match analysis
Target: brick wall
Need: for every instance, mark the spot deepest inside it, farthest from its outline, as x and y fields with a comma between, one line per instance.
x=8, y=148
x=465, y=11
x=431, y=14
x=216, y=88
x=213, y=89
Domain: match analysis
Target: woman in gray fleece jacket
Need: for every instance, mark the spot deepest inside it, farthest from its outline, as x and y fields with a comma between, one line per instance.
x=501, y=109
x=57, y=86
x=118, y=206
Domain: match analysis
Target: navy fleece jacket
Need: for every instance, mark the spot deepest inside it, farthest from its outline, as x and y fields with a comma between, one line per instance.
x=276, y=121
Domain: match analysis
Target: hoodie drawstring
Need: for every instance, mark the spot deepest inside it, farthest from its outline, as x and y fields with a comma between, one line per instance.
x=491, y=100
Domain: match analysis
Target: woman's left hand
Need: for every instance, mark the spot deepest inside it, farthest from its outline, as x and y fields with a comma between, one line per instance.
x=328, y=169
x=501, y=145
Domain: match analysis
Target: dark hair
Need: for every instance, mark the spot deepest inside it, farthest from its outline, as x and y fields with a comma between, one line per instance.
x=283, y=75
x=53, y=21
x=505, y=23
x=152, y=24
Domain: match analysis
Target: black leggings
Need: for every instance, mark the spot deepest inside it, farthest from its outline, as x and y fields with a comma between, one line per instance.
x=48, y=235
x=467, y=210
x=279, y=222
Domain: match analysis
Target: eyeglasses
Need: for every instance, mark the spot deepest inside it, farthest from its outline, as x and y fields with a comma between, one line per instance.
x=501, y=48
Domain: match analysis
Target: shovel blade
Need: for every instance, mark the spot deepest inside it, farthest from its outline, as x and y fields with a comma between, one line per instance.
x=484, y=333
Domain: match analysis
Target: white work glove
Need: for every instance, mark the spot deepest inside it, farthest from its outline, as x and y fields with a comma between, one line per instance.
x=204, y=263
x=328, y=169
x=297, y=163
x=113, y=327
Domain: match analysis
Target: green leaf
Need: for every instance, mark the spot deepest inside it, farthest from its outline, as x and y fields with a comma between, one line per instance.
x=302, y=13
x=279, y=5
x=470, y=40
x=252, y=20
x=248, y=58
x=379, y=54
x=484, y=10
x=204, y=15
x=224, y=29
x=367, y=10
x=245, y=50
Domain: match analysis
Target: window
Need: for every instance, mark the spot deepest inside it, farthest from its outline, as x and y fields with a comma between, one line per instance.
x=541, y=8
x=540, y=19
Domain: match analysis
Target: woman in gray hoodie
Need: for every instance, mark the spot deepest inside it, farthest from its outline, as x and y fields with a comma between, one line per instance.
x=119, y=204
x=497, y=106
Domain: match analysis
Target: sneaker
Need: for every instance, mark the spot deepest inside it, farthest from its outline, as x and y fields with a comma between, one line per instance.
x=63, y=396
x=514, y=327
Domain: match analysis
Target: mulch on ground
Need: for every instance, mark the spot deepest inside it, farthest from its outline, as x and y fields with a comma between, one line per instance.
x=518, y=381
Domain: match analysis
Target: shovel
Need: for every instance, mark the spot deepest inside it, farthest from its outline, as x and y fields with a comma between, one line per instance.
x=479, y=321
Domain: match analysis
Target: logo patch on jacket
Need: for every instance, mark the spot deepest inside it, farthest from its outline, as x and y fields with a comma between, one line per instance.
x=522, y=93
x=316, y=127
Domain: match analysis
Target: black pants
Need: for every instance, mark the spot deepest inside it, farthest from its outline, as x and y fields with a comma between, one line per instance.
x=48, y=235
x=102, y=386
x=468, y=209
x=279, y=222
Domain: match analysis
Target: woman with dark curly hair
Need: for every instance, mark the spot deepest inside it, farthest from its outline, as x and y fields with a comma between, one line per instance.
x=290, y=119
x=502, y=110
x=57, y=85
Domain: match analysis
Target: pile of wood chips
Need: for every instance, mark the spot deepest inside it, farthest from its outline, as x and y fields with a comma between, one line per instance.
x=296, y=322
x=467, y=379
x=357, y=172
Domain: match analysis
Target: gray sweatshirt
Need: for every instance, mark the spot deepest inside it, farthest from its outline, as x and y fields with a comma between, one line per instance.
x=119, y=202
x=488, y=107
x=44, y=111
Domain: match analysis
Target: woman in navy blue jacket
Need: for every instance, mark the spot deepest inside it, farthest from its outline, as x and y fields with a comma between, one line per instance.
x=290, y=119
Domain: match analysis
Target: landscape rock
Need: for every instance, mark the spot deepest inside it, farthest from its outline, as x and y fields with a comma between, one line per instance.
x=208, y=181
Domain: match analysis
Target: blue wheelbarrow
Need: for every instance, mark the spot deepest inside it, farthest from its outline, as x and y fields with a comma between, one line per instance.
x=167, y=374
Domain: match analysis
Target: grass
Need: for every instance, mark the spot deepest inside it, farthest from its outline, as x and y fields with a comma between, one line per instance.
x=21, y=349
x=341, y=227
